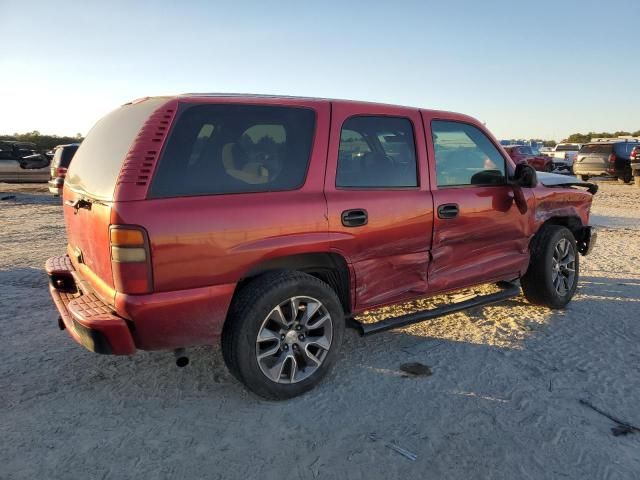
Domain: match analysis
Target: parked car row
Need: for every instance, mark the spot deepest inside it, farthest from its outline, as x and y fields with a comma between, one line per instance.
x=606, y=158
x=21, y=163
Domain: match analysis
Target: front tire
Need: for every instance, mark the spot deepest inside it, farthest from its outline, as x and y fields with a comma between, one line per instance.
x=283, y=334
x=554, y=268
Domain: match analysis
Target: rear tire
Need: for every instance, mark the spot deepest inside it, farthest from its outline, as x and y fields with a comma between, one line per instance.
x=283, y=334
x=627, y=178
x=554, y=268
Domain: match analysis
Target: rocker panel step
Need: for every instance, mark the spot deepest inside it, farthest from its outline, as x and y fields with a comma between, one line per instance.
x=509, y=290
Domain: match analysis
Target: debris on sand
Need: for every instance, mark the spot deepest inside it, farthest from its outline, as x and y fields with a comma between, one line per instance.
x=415, y=369
x=402, y=451
x=623, y=428
x=8, y=197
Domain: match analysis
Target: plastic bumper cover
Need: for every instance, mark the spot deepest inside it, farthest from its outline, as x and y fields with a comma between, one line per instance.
x=89, y=321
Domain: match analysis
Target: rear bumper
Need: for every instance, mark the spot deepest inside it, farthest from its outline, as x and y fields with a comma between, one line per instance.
x=55, y=186
x=157, y=321
x=86, y=318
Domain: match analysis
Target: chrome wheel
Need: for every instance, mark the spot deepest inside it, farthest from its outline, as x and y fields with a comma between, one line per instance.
x=294, y=340
x=563, y=272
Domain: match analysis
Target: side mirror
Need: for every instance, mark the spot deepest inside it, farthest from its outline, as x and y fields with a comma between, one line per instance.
x=525, y=176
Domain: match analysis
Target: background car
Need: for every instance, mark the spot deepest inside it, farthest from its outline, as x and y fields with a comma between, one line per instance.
x=62, y=155
x=526, y=154
x=606, y=158
x=564, y=155
x=635, y=164
x=19, y=162
x=13, y=150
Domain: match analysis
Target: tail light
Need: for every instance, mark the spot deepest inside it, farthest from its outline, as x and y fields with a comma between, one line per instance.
x=612, y=161
x=130, y=259
x=61, y=171
x=634, y=154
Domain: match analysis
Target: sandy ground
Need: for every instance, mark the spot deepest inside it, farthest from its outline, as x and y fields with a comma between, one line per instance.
x=502, y=403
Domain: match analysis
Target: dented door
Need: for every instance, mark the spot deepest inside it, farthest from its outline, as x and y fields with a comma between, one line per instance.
x=380, y=213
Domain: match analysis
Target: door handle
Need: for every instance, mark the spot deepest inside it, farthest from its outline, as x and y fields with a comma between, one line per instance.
x=448, y=210
x=354, y=218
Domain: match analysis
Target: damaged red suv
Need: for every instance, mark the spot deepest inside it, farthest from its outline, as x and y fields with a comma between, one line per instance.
x=266, y=224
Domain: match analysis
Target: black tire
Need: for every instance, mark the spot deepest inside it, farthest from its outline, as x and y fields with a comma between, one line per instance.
x=248, y=311
x=626, y=178
x=584, y=178
x=537, y=283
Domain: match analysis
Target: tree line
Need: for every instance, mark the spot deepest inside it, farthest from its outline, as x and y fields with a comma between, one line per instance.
x=586, y=137
x=42, y=142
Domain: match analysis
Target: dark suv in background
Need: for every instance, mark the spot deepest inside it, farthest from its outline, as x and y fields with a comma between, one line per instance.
x=62, y=156
x=608, y=158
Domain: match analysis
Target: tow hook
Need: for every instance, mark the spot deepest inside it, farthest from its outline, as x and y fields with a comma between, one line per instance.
x=181, y=358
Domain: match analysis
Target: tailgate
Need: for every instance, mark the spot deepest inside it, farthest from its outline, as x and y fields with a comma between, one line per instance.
x=596, y=160
x=88, y=235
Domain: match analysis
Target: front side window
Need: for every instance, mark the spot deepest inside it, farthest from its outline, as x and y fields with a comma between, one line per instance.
x=377, y=152
x=465, y=156
x=219, y=149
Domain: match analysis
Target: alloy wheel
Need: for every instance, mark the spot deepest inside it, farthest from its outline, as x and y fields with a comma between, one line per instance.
x=294, y=340
x=563, y=267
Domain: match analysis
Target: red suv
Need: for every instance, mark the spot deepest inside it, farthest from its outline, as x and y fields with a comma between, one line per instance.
x=267, y=223
x=523, y=153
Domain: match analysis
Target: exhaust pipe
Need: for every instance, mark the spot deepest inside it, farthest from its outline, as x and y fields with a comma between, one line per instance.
x=181, y=359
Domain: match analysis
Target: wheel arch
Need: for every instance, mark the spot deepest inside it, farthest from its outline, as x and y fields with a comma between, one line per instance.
x=330, y=267
x=573, y=223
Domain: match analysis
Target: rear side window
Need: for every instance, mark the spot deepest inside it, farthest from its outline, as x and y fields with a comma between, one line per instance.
x=465, y=156
x=219, y=149
x=377, y=152
x=597, y=148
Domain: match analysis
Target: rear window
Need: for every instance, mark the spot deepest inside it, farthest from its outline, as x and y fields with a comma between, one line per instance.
x=218, y=149
x=97, y=162
x=567, y=147
x=62, y=157
x=596, y=148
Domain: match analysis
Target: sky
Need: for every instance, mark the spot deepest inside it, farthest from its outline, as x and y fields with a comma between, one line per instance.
x=526, y=69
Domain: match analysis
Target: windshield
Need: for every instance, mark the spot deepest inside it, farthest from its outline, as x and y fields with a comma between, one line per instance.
x=567, y=147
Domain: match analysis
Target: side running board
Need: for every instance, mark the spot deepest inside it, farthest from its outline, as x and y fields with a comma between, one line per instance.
x=509, y=290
